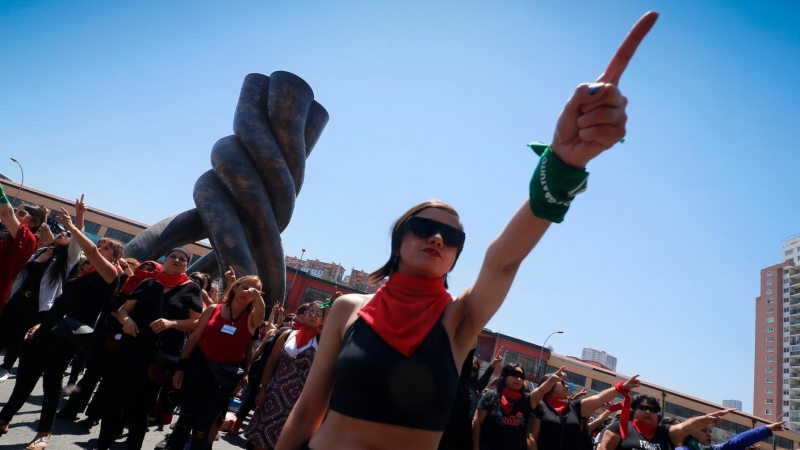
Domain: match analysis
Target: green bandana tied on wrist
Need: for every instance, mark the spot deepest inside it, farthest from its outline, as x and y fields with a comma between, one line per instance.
x=327, y=304
x=554, y=184
x=3, y=198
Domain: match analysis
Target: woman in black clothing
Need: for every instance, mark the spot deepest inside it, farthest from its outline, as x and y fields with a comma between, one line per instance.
x=458, y=434
x=501, y=420
x=644, y=432
x=47, y=354
x=558, y=422
x=155, y=321
x=35, y=289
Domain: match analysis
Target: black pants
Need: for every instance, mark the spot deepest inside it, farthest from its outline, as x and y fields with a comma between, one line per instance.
x=204, y=399
x=80, y=397
x=44, y=356
x=19, y=315
x=129, y=389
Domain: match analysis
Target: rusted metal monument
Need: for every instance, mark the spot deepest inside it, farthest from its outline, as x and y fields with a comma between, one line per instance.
x=247, y=199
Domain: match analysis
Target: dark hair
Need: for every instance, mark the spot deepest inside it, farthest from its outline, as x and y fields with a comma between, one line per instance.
x=669, y=421
x=304, y=307
x=203, y=278
x=644, y=398
x=541, y=380
x=58, y=265
x=398, y=230
x=37, y=212
x=500, y=382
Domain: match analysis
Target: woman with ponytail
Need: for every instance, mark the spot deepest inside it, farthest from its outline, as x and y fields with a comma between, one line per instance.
x=288, y=365
x=155, y=320
x=359, y=393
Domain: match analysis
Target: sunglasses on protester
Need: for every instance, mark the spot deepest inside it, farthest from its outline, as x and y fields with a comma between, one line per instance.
x=21, y=213
x=516, y=374
x=424, y=228
x=317, y=314
x=652, y=409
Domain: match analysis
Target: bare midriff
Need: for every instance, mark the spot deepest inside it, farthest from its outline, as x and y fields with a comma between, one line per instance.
x=339, y=431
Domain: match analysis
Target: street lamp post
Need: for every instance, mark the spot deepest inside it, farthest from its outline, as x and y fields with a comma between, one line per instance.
x=541, y=352
x=299, y=265
x=21, y=182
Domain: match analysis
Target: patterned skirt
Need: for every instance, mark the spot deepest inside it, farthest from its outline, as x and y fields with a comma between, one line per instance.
x=282, y=393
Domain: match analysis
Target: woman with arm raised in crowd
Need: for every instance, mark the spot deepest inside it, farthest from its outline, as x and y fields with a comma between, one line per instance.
x=48, y=351
x=209, y=368
x=412, y=329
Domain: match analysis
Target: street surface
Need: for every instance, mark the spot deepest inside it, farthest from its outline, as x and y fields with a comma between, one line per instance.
x=69, y=435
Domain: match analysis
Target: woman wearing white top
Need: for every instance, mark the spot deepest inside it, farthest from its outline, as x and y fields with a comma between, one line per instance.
x=35, y=289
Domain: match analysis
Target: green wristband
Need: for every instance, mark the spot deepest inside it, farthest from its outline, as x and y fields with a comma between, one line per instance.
x=554, y=185
x=3, y=198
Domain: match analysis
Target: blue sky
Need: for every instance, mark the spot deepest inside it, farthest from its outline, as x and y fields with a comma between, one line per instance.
x=657, y=263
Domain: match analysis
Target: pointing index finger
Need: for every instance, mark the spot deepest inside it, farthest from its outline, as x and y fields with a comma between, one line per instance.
x=628, y=47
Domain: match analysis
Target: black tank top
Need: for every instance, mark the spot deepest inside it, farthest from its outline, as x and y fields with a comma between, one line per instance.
x=375, y=382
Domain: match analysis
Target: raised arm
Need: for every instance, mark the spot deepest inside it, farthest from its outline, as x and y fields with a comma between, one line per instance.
x=7, y=215
x=484, y=380
x=45, y=234
x=592, y=425
x=80, y=211
x=589, y=404
x=677, y=433
x=101, y=265
x=257, y=315
x=538, y=394
x=592, y=121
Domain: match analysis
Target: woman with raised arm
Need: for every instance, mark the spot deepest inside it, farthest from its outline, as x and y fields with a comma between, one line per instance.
x=17, y=246
x=35, y=289
x=638, y=427
x=558, y=420
x=52, y=344
x=701, y=440
x=501, y=420
x=154, y=321
x=412, y=329
x=209, y=368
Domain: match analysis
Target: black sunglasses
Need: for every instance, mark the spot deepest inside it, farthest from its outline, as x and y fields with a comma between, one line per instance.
x=516, y=374
x=652, y=409
x=425, y=228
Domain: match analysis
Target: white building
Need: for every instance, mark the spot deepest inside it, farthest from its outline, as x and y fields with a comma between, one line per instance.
x=590, y=354
x=732, y=404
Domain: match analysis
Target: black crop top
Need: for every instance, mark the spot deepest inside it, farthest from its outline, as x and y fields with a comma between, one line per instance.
x=375, y=382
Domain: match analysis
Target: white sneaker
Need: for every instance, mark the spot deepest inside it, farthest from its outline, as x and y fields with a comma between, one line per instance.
x=3, y=374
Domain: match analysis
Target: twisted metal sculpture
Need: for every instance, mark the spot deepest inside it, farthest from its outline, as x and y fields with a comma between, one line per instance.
x=247, y=199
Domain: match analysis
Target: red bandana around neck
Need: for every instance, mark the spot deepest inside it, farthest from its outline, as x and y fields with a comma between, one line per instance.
x=171, y=281
x=138, y=276
x=560, y=404
x=304, y=334
x=405, y=309
x=507, y=400
x=647, y=430
x=90, y=269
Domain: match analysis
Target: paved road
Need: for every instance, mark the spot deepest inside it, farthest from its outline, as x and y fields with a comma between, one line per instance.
x=68, y=435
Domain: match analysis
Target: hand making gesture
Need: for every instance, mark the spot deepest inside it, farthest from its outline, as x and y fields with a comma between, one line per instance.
x=594, y=117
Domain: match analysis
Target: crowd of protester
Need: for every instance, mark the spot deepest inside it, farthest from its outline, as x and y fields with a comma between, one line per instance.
x=386, y=371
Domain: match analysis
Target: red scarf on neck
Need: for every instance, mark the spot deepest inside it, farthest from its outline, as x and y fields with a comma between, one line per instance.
x=171, y=281
x=405, y=309
x=507, y=400
x=647, y=430
x=304, y=334
x=625, y=415
x=560, y=404
x=138, y=276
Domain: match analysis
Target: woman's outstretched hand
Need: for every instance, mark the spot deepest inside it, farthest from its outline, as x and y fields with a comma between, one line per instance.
x=594, y=117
